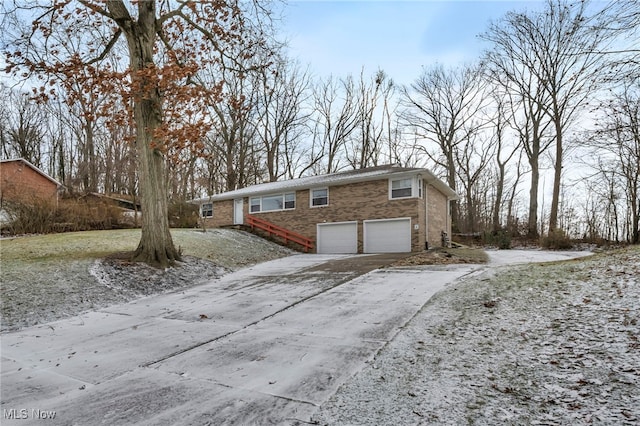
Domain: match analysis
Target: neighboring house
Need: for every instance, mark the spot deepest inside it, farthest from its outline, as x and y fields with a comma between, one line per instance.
x=375, y=210
x=21, y=181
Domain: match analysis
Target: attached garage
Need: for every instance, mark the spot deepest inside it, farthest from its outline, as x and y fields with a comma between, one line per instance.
x=387, y=235
x=340, y=237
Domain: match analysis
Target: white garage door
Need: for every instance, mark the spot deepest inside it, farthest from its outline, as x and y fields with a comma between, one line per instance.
x=340, y=237
x=387, y=236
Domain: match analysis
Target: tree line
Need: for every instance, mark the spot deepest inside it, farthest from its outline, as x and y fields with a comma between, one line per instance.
x=554, y=98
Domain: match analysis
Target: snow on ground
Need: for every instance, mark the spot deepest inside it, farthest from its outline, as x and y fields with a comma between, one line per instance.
x=518, y=257
x=546, y=344
x=553, y=343
x=44, y=283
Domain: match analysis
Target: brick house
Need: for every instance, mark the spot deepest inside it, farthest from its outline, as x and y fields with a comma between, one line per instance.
x=374, y=210
x=23, y=182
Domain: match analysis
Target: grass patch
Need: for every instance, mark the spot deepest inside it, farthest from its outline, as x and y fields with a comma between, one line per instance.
x=445, y=256
x=47, y=277
x=468, y=254
x=67, y=246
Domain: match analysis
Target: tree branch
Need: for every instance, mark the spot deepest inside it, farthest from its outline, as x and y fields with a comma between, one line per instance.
x=94, y=7
x=107, y=48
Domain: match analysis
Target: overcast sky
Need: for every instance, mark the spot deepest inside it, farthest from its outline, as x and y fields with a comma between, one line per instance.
x=340, y=37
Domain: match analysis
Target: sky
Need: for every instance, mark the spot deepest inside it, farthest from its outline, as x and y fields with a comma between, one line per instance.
x=340, y=37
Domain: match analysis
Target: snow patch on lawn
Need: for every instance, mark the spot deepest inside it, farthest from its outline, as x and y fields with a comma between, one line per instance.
x=57, y=279
x=551, y=344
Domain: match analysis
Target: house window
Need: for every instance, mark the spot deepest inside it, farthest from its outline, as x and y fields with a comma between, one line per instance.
x=271, y=203
x=319, y=197
x=290, y=201
x=255, y=204
x=401, y=188
x=206, y=210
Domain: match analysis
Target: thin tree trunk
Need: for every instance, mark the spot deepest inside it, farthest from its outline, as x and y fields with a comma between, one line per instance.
x=557, y=179
x=533, y=199
x=498, y=201
x=451, y=181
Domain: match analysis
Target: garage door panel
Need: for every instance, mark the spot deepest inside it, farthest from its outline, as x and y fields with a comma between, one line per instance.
x=387, y=236
x=339, y=237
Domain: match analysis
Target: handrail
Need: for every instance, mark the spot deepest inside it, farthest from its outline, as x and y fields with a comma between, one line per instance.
x=275, y=230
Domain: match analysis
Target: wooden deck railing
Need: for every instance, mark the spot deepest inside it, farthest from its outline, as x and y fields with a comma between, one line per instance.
x=277, y=231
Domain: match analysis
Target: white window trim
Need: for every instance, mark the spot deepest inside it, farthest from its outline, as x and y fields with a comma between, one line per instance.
x=202, y=210
x=311, y=197
x=283, y=195
x=414, y=187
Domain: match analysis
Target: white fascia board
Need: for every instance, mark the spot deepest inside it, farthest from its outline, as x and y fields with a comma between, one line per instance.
x=327, y=181
x=441, y=186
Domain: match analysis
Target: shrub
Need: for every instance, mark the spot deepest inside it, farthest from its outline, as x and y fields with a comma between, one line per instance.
x=183, y=215
x=39, y=217
x=556, y=240
x=36, y=217
x=83, y=215
x=500, y=239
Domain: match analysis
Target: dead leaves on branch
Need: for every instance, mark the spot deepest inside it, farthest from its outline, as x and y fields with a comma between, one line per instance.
x=76, y=50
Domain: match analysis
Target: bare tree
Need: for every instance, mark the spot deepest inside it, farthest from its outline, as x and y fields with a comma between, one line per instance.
x=618, y=141
x=504, y=153
x=374, y=120
x=282, y=91
x=619, y=20
x=441, y=105
x=472, y=159
x=512, y=62
x=21, y=127
x=335, y=121
x=233, y=139
x=553, y=51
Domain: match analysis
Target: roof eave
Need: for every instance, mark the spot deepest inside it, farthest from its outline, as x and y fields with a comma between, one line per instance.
x=34, y=168
x=329, y=180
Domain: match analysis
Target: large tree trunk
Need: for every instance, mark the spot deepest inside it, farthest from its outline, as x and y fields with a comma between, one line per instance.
x=156, y=245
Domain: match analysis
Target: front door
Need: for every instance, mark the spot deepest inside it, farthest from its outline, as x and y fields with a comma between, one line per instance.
x=238, y=213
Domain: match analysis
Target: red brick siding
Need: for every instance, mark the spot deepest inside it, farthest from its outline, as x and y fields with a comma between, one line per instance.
x=19, y=182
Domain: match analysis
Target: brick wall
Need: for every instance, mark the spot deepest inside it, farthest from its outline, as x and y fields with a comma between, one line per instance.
x=353, y=202
x=359, y=201
x=422, y=221
x=438, y=219
x=222, y=214
x=19, y=182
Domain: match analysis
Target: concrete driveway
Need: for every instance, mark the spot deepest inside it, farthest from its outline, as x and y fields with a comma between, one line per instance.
x=264, y=345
